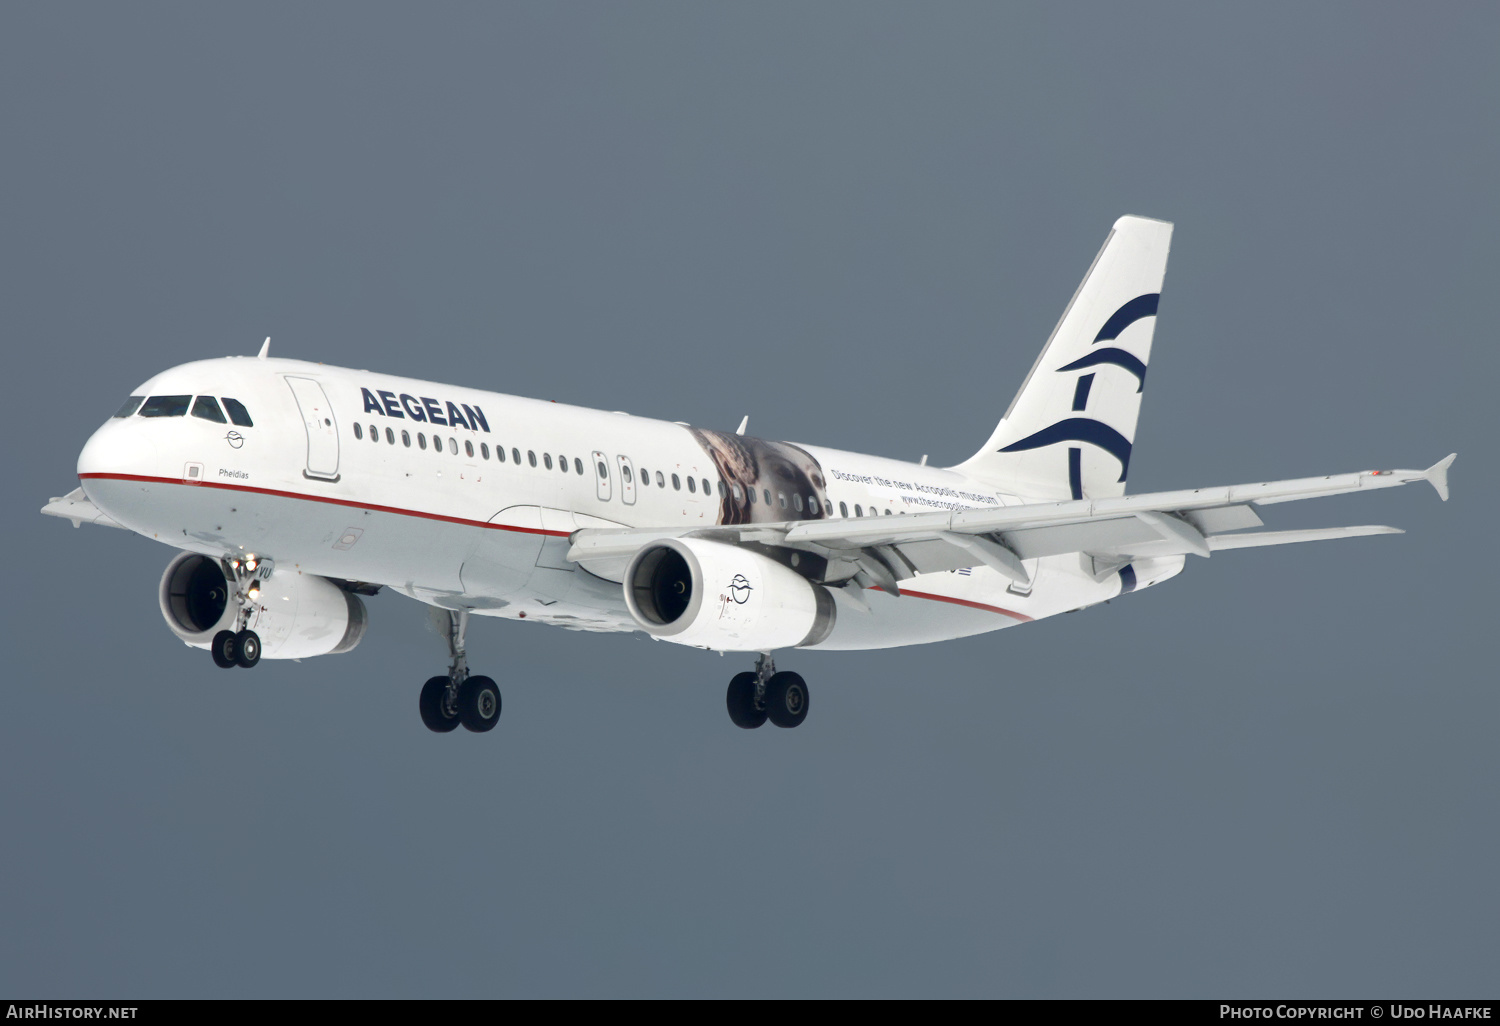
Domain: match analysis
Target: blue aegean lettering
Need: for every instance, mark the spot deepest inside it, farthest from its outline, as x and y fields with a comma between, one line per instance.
x=424, y=410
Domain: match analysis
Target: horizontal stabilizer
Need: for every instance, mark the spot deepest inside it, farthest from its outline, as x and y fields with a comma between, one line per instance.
x=1259, y=538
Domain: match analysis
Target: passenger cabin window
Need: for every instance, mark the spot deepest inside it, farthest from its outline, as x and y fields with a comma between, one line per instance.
x=530, y=457
x=358, y=431
x=738, y=494
x=676, y=483
x=374, y=433
x=515, y=456
x=706, y=488
x=781, y=499
x=797, y=501
x=645, y=476
x=131, y=405
x=547, y=460
x=406, y=438
x=421, y=441
x=238, y=415
x=390, y=437
x=453, y=447
x=603, y=470
x=692, y=486
x=625, y=473
x=469, y=450
x=166, y=406
x=843, y=509
x=751, y=494
x=205, y=407
x=578, y=466
x=661, y=482
x=484, y=450
x=857, y=511
x=765, y=493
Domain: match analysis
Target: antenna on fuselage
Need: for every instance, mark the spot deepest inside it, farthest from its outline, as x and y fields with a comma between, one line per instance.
x=744, y=423
x=265, y=347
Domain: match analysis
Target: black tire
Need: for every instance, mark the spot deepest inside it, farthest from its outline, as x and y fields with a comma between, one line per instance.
x=223, y=650
x=479, y=704
x=431, y=704
x=247, y=649
x=786, y=699
x=741, y=702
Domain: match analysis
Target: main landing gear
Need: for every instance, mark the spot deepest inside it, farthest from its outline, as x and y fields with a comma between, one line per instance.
x=765, y=694
x=456, y=699
x=241, y=646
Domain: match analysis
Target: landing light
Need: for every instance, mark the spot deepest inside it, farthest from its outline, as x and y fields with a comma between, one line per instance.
x=254, y=592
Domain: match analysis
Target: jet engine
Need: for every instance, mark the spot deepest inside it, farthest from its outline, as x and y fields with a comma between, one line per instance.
x=711, y=595
x=296, y=614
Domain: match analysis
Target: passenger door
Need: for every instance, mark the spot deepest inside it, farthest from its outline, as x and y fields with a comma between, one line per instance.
x=322, y=429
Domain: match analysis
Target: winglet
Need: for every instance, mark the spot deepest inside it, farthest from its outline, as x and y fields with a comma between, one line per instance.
x=1437, y=475
x=744, y=423
x=265, y=349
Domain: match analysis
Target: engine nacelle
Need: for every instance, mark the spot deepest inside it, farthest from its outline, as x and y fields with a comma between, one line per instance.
x=296, y=615
x=711, y=595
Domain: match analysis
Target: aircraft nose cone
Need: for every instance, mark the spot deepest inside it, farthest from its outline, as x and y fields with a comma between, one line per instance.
x=115, y=449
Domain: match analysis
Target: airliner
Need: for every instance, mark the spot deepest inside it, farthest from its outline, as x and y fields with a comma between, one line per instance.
x=293, y=490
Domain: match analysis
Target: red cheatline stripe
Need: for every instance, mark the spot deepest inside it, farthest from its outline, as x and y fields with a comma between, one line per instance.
x=324, y=498
x=964, y=602
x=468, y=523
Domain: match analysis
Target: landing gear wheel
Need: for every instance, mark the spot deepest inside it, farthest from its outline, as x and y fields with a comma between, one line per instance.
x=223, y=650
x=434, y=706
x=247, y=648
x=741, y=702
x=786, y=699
x=479, y=704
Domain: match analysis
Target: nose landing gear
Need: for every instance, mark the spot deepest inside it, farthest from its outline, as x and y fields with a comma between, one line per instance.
x=764, y=695
x=241, y=646
x=458, y=698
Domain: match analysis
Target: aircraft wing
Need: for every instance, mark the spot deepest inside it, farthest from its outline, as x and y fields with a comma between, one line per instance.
x=75, y=506
x=885, y=550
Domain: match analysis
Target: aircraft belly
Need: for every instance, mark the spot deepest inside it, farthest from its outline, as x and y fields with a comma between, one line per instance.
x=320, y=538
x=487, y=569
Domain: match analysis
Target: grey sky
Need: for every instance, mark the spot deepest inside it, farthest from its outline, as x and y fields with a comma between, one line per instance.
x=857, y=224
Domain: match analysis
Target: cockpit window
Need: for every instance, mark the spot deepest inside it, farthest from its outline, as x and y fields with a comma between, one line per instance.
x=207, y=408
x=166, y=406
x=131, y=405
x=237, y=413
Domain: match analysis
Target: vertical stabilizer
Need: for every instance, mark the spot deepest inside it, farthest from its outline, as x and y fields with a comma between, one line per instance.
x=1069, y=430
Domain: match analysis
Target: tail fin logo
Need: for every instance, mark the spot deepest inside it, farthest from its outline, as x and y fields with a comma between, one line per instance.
x=1079, y=429
x=1086, y=429
x=1137, y=308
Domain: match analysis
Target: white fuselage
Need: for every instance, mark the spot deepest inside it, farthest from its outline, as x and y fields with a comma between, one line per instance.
x=428, y=508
